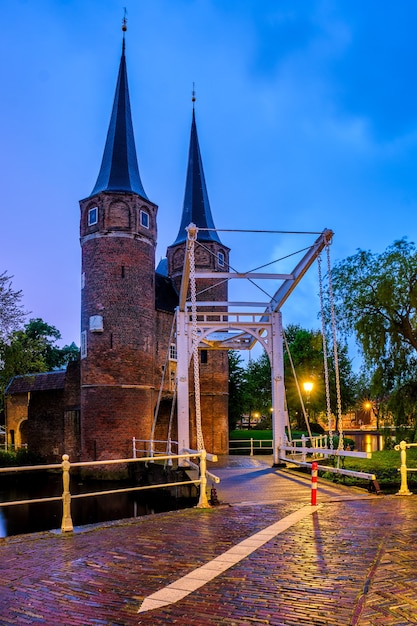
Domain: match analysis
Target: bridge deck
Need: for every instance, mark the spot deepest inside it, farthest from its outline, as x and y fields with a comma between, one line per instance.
x=253, y=479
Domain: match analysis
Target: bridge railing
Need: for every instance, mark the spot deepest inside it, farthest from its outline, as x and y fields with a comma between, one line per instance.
x=66, y=466
x=154, y=448
x=253, y=445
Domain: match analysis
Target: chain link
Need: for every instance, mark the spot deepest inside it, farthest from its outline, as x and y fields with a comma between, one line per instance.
x=326, y=364
x=336, y=358
x=194, y=334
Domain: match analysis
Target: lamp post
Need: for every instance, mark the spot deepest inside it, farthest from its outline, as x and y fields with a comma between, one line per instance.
x=308, y=387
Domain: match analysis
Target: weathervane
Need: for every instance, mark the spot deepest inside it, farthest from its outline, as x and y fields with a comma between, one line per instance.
x=193, y=95
x=124, y=21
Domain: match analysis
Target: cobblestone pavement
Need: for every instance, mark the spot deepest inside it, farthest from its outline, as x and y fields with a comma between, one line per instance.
x=351, y=561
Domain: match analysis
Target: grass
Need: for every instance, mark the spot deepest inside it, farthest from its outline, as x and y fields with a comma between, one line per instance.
x=250, y=434
x=385, y=464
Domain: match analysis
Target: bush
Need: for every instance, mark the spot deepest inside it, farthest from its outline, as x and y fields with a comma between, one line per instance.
x=19, y=457
x=7, y=459
x=26, y=457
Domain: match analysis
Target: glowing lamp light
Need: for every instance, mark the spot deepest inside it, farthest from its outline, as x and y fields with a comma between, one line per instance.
x=308, y=386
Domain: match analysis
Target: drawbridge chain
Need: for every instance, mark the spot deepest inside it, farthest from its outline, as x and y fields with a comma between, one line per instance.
x=196, y=367
x=336, y=357
x=326, y=364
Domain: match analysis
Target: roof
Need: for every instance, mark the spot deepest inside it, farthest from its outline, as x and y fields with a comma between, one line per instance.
x=46, y=381
x=166, y=296
x=196, y=207
x=162, y=267
x=119, y=169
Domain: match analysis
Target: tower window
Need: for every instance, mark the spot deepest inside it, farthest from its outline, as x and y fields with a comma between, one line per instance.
x=220, y=258
x=203, y=356
x=173, y=352
x=83, y=344
x=144, y=219
x=83, y=280
x=93, y=216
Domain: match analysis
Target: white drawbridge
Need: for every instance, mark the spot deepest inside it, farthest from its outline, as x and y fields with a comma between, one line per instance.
x=234, y=325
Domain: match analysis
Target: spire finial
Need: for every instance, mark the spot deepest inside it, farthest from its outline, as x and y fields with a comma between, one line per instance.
x=124, y=22
x=124, y=27
x=193, y=95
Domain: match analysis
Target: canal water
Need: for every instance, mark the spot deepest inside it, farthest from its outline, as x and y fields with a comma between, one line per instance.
x=366, y=441
x=36, y=517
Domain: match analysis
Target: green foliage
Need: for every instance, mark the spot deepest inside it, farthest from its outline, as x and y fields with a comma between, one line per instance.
x=376, y=301
x=19, y=458
x=236, y=388
x=7, y=459
x=250, y=387
x=11, y=311
x=33, y=350
x=256, y=434
x=306, y=350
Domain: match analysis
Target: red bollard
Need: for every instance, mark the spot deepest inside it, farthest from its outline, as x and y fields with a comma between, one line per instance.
x=314, y=472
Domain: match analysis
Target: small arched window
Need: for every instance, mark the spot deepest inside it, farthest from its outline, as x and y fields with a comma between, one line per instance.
x=144, y=219
x=93, y=216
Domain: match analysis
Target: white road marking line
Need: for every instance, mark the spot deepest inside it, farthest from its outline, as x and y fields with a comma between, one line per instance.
x=202, y=575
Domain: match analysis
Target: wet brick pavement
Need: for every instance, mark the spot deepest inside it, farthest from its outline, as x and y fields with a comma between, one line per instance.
x=351, y=562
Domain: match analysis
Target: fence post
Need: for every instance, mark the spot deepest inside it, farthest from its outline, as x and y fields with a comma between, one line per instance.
x=203, y=502
x=66, y=525
x=251, y=446
x=404, y=490
x=134, y=447
x=303, y=445
x=314, y=472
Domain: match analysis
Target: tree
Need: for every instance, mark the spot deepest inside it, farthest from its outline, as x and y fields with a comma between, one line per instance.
x=236, y=388
x=33, y=350
x=375, y=297
x=306, y=350
x=11, y=312
x=250, y=388
x=258, y=393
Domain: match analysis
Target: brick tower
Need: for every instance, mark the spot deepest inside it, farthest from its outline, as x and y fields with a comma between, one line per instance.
x=211, y=256
x=118, y=239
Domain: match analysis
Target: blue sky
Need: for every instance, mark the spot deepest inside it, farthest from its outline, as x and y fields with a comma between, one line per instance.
x=306, y=113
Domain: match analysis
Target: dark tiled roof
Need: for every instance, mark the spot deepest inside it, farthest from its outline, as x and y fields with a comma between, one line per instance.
x=166, y=296
x=47, y=381
x=119, y=168
x=196, y=208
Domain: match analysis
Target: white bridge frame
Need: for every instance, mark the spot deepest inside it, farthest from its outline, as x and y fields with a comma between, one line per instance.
x=219, y=329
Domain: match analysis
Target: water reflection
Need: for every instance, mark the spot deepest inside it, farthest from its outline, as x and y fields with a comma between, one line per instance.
x=366, y=441
x=36, y=517
x=3, y=528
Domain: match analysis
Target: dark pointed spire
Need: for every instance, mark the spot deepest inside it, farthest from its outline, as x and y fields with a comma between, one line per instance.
x=196, y=208
x=119, y=169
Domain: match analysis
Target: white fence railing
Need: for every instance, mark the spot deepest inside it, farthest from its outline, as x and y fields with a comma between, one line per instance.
x=253, y=445
x=65, y=466
x=154, y=448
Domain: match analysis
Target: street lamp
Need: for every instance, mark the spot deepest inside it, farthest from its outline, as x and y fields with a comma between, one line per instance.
x=308, y=387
